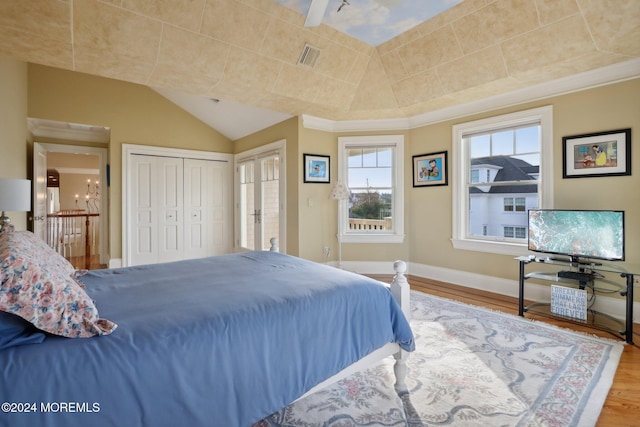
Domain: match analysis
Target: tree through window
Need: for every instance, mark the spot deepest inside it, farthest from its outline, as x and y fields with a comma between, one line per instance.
x=371, y=167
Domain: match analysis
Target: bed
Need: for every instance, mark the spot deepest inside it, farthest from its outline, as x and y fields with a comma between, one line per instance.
x=222, y=341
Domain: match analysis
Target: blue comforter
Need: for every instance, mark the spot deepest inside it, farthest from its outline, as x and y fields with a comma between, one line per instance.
x=221, y=341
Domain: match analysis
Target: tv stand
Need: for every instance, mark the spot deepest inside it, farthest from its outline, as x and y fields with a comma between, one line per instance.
x=582, y=274
x=582, y=277
x=578, y=261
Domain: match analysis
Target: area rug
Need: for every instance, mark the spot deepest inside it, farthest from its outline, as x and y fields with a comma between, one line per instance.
x=471, y=367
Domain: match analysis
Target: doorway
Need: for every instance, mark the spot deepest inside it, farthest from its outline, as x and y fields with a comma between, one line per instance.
x=70, y=202
x=260, y=198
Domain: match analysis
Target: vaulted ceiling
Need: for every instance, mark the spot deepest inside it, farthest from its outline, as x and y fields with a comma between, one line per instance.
x=247, y=51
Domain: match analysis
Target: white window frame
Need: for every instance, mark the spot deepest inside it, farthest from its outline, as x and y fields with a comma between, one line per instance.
x=346, y=142
x=461, y=238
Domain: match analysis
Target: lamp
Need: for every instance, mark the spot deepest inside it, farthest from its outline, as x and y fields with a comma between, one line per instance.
x=339, y=192
x=15, y=196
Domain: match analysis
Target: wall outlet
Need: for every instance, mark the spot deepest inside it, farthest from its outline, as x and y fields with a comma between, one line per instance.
x=326, y=250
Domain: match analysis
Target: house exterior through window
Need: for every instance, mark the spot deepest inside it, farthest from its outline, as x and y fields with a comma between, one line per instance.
x=503, y=168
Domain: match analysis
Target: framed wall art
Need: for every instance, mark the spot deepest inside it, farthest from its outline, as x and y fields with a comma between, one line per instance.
x=597, y=154
x=430, y=170
x=316, y=168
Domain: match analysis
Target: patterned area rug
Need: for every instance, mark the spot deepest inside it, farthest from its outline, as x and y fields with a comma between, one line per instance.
x=471, y=367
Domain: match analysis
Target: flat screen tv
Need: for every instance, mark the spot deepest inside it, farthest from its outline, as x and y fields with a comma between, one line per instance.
x=597, y=234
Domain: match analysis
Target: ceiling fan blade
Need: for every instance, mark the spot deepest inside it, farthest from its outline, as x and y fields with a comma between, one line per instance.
x=316, y=13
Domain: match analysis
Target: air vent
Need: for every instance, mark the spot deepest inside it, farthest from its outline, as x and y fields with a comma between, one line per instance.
x=309, y=55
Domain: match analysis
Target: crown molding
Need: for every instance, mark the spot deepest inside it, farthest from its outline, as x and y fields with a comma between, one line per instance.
x=577, y=82
x=318, y=123
x=41, y=128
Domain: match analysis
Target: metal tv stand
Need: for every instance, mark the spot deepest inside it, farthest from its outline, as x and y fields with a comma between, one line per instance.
x=583, y=274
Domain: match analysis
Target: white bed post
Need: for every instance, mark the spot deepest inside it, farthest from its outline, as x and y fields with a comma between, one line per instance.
x=274, y=244
x=401, y=292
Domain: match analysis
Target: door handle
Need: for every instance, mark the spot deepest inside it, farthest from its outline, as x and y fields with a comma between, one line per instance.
x=256, y=216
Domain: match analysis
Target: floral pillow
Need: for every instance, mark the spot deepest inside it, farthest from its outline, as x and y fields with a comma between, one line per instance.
x=39, y=285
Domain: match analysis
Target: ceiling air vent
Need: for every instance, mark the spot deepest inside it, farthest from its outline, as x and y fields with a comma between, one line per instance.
x=309, y=55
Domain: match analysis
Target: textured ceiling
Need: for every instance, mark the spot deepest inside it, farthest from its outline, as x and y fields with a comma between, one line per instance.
x=246, y=51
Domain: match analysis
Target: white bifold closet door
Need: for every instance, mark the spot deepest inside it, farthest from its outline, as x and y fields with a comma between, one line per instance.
x=206, y=188
x=177, y=208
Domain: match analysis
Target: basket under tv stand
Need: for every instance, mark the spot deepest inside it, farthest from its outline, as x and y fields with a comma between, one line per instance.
x=576, y=273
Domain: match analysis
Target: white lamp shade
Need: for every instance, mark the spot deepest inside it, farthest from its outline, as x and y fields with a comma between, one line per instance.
x=339, y=192
x=15, y=195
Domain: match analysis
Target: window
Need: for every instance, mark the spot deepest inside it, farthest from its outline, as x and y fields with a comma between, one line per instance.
x=508, y=232
x=514, y=152
x=515, y=204
x=508, y=204
x=515, y=232
x=372, y=169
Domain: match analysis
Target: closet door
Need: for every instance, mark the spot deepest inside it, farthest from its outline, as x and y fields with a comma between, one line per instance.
x=156, y=209
x=170, y=205
x=177, y=204
x=221, y=219
x=205, y=207
x=142, y=215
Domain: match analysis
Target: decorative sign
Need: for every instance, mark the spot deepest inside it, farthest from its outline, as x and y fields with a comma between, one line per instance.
x=569, y=302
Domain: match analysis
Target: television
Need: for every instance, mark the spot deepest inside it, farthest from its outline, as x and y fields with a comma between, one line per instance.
x=577, y=234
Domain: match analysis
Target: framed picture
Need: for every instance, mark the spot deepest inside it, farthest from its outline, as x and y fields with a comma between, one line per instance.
x=430, y=170
x=597, y=154
x=316, y=168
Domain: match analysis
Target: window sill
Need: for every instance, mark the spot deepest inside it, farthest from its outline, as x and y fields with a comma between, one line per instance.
x=372, y=238
x=502, y=248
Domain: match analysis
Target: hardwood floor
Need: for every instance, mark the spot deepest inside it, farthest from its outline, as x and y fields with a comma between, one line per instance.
x=80, y=262
x=622, y=405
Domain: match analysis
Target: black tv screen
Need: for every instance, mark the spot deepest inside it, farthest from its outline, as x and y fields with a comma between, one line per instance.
x=595, y=234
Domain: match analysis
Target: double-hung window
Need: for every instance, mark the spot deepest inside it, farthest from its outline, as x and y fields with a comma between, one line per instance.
x=372, y=169
x=503, y=166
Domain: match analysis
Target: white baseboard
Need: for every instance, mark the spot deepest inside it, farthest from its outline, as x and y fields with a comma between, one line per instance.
x=115, y=263
x=616, y=307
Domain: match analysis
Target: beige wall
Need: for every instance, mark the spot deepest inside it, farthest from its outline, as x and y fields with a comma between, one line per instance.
x=318, y=214
x=74, y=182
x=135, y=114
x=13, y=126
x=600, y=109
